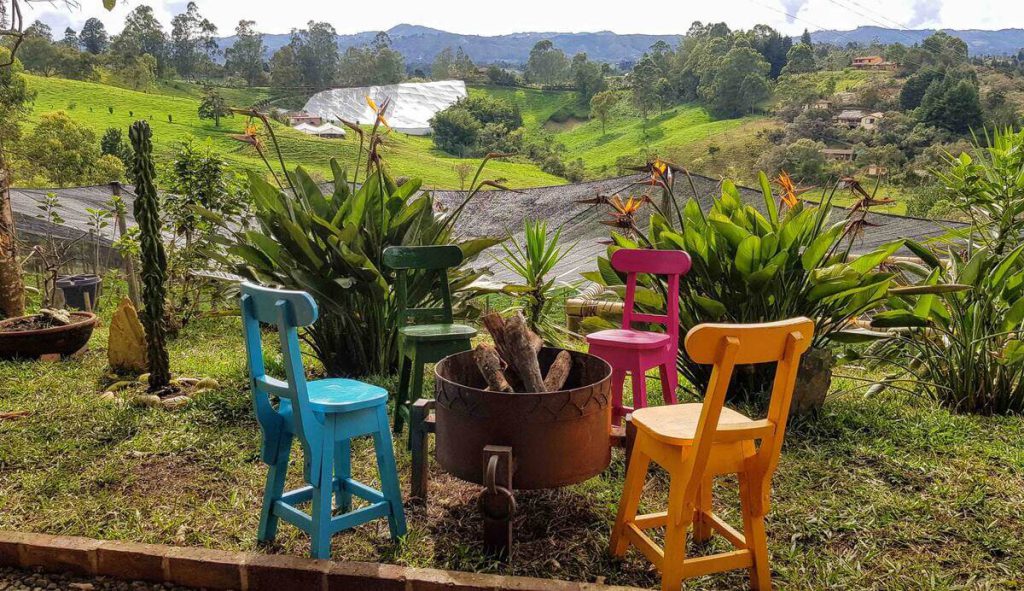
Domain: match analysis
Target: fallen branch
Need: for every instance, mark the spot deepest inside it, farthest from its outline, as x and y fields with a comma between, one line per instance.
x=558, y=373
x=490, y=366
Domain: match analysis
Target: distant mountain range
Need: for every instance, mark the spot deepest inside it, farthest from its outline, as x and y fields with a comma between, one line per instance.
x=979, y=42
x=420, y=45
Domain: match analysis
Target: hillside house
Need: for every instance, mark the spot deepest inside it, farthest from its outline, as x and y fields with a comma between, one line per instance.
x=838, y=154
x=298, y=117
x=820, y=105
x=872, y=62
x=870, y=121
x=854, y=118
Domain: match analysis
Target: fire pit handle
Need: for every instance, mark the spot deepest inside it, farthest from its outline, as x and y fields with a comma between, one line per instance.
x=492, y=470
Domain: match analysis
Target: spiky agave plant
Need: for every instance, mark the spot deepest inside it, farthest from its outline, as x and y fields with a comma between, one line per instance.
x=532, y=260
x=154, y=260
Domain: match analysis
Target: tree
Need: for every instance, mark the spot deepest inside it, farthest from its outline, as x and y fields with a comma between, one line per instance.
x=500, y=76
x=916, y=85
x=245, y=57
x=38, y=54
x=197, y=178
x=70, y=39
x=14, y=99
x=588, y=77
x=452, y=64
x=806, y=38
x=213, y=106
x=284, y=69
x=316, y=54
x=802, y=159
x=953, y=105
x=773, y=46
x=800, y=60
x=739, y=85
x=64, y=152
x=601, y=105
x=547, y=65
x=94, y=36
x=77, y=65
x=376, y=63
x=644, y=82
x=112, y=143
x=154, y=260
x=455, y=130
x=137, y=73
x=193, y=42
x=142, y=35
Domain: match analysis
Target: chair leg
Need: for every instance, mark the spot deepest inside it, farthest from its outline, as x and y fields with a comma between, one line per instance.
x=669, y=382
x=757, y=538
x=342, y=472
x=320, y=532
x=403, y=391
x=701, y=529
x=673, y=564
x=636, y=475
x=274, y=489
x=390, y=487
x=618, y=382
x=416, y=389
x=639, y=388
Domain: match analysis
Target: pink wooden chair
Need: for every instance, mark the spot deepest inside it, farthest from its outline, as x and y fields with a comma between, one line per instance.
x=636, y=351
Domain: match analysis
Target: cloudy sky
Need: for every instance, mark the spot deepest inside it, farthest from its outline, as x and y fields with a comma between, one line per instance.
x=487, y=18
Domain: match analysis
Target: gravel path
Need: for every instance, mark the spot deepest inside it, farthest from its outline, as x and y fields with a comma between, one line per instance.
x=12, y=579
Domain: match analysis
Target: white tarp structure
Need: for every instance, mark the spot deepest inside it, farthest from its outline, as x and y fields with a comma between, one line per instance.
x=325, y=130
x=412, y=104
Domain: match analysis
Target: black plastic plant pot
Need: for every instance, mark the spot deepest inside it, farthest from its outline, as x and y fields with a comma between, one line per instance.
x=76, y=286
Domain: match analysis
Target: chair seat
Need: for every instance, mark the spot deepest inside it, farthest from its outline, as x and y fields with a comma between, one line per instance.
x=437, y=332
x=335, y=395
x=677, y=423
x=629, y=339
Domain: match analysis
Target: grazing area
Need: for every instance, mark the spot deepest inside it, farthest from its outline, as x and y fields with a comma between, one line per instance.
x=892, y=475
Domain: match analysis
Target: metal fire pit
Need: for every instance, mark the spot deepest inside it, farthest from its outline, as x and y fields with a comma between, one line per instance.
x=509, y=441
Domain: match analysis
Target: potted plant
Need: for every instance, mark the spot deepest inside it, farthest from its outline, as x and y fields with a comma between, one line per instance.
x=50, y=332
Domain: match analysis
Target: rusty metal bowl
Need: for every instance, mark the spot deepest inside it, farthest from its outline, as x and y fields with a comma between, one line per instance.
x=557, y=438
x=32, y=344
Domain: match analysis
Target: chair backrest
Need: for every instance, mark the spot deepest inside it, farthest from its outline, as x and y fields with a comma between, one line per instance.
x=726, y=346
x=288, y=310
x=673, y=264
x=435, y=262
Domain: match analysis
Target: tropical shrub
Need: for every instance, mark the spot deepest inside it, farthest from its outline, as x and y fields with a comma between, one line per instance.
x=331, y=245
x=751, y=267
x=962, y=340
x=532, y=260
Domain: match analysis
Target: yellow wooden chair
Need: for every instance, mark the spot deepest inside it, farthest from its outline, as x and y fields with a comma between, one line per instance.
x=696, y=442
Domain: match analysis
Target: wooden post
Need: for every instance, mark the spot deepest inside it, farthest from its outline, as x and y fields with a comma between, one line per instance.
x=129, y=263
x=497, y=503
x=419, y=426
x=630, y=438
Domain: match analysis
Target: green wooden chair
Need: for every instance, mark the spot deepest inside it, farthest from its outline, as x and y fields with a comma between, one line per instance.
x=427, y=335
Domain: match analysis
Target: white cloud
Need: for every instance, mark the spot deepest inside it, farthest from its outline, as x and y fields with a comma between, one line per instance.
x=791, y=16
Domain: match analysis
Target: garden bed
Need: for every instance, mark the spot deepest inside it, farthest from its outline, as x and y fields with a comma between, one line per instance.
x=880, y=492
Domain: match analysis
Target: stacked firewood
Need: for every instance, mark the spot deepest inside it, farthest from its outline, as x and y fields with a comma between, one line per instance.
x=511, y=363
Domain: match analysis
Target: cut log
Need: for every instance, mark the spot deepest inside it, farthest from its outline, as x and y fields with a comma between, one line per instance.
x=490, y=366
x=495, y=325
x=522, y=355
x=558, y=373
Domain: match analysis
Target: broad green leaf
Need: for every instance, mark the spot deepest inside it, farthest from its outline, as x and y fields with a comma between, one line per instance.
x=926, y=255
x=821, y=245
x=869, y=261
x=898, y=319
x=769, y=200
x=713, y=308
x=748, y=255
x=854, y=336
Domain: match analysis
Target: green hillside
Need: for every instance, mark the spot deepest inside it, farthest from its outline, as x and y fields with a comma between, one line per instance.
x=89, y=104
x=628, y=136
x=536, y=106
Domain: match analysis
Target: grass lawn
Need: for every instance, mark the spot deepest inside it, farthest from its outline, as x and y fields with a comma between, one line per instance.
x=626, y=136
x=880, y=492
x=90, y=103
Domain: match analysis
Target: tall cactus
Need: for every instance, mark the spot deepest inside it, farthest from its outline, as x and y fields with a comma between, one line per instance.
x=154, y=260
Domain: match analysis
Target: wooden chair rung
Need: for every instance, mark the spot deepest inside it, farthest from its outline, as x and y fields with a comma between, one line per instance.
x=716, y=563
x=645, y=545
x=651, y=520
x=727, y=531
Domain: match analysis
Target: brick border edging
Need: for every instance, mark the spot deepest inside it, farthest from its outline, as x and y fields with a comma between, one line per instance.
x=222, y=570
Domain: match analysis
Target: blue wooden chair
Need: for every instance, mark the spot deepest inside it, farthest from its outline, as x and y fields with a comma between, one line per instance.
x=325, y=415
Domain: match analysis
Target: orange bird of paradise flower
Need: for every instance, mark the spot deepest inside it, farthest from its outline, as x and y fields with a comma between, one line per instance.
x=379, y=111
x=790, y=192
